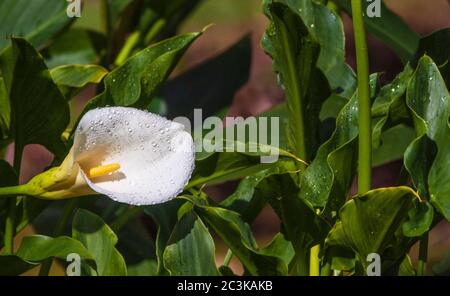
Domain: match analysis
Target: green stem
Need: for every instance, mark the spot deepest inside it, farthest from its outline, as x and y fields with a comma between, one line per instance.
x=59, y=229
x=105, y=17
x=127, y=49
x=123, y=219
x=423, y=255
x=314, y=261
x=13, y=190
x=154, y=31
x=10, y=223
x=228, y=258
x=364, y=112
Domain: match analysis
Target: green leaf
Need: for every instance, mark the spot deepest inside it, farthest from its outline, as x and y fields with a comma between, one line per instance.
x=190, y=249
x=295, y=52
x=237, y=235
x=39, y=111
x=436, y=46
x=389, y=28
x=390, y=105
x=327, y=27
x=420, y=219
x=165, y=216
x=300, y=223
x=38, y=248
x=36, y=20
x=221, y=167
x=140, y=77
x=76, y=46
x=100, y=240
x=281, y=248
x=427, y=159
x=394, y=142
x=251, y=194
x=227, y=73
x=327, y=180
x=75, y=77
x=372, y=223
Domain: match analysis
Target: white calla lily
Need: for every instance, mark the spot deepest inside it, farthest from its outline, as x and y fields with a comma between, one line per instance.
x=132, y=156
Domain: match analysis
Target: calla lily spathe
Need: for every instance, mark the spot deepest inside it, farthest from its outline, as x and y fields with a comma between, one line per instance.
x=132, y=156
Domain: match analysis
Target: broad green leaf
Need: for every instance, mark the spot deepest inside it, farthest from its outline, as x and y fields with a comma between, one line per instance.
x=37, y=248
x=40, y=112
x=221, y=167
x=165, y=216
x=190, y=249
x=36, y=20
x=237, y=235
x=251, y=194
x=372, y=223
x=226, y=73
x=427, y=158
x=327, y=27
x=295, y=52
x=75, y=77
x=76, y=46
x=327, y=180
x=300, y=223
x=390, y=105
x=281, y=248
x=420, y=218
x=100, y=240
x=389, y=28
x=394, y=142
x=140, y=77
x=436, y=46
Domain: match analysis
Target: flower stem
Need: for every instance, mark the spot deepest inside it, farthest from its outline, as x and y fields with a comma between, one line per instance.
x=364, y=112
x=228, y=258
x=105, y=17
x=127, y=49
x=13, y=190
x=314, y=261
x=423, y=255
x=10, y=223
